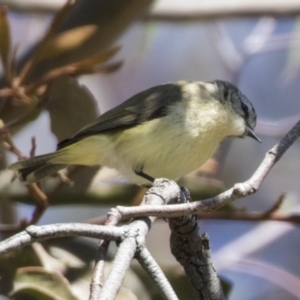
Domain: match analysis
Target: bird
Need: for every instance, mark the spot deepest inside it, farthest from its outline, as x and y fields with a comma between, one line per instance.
x=165, y=131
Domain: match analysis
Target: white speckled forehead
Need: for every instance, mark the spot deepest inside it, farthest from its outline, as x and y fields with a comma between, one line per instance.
x=192, y=90
x=211, y=87
x=196, y=86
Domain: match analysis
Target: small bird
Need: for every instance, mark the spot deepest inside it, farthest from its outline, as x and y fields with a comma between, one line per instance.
x=165, y=131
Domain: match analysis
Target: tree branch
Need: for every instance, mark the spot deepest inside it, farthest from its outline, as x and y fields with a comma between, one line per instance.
x=119, y=268
x=189, y=10
x=239, y=190
x=162, y=192
x=40, y=233
x=148, y=263
x=97, y=281
x=218, y=9
x=193, y=252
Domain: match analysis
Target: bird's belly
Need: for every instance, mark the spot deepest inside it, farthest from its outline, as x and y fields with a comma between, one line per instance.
x=160, y=152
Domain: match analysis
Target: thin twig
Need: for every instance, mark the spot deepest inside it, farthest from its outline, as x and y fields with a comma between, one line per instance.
x=13, y=228
x=70, y=70
x=271, y=214
x=41, y=202
x=34, y=189
x=41, y=199
x=10, y=146
x=149, y=264
x=276, y=205
x=100, y=220
x=250, y=216
x=97, y=281
x=33, y=147
x=118, y=270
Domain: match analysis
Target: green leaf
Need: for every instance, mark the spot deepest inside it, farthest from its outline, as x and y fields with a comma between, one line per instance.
x=40, y=284
x=67, y=258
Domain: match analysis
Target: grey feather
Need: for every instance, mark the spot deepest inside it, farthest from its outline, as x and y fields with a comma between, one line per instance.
x=40, y=172
x=36, y=168
x=142, y=107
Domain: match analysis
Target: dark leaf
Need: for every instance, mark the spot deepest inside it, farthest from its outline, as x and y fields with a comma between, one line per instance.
x=66, y=41
x=4, y=38
x=99, y=58
x=70, y=106
x=10, y=262
x=105, y=21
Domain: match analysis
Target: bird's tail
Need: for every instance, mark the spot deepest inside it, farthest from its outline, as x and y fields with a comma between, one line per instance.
x=36, y=168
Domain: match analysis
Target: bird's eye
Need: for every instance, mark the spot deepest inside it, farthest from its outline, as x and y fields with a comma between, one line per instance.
x=225, y=94
x=245, y=109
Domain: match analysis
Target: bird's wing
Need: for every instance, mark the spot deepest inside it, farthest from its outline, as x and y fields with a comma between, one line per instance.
x=142, y=107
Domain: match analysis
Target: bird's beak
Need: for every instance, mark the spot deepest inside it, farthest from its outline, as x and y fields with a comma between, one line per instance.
x=251, y=133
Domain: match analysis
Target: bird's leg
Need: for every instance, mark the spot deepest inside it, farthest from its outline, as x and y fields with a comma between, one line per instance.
x=139, y=171
x=185, y=197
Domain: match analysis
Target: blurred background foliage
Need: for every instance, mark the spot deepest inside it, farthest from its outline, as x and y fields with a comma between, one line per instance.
x=65, y=62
